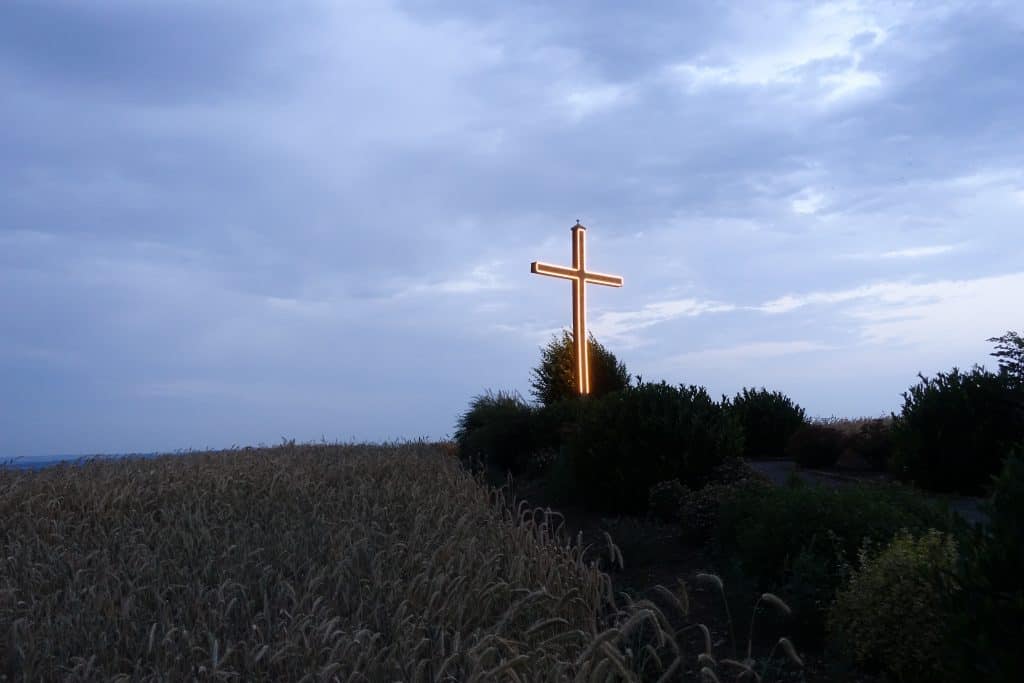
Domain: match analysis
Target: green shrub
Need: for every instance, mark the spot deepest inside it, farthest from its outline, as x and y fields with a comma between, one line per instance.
x=629, y=440
x=892, y=616
x=816, y=445
x=988, y=628
x=554, y=379
x=872, y=442
x=768, y=419
x=812, y=577
x=698, y=512
x=954, y=430
x=499, y=430
x=800, y=541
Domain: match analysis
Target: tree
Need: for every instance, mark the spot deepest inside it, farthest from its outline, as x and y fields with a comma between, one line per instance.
x=555, y=378
x=1010, y=352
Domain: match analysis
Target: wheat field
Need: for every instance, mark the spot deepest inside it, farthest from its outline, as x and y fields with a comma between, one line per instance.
x=309, y=563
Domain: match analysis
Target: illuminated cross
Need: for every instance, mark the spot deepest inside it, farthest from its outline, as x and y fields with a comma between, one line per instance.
x=580, y=277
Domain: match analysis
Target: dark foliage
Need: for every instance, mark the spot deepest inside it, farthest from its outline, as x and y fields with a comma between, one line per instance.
x=768, y=419
x=698, y=513
x=500, y=430
x=554, y=379
x=629, y=440
x=988, y=628
x=955, y=430
x=665, y=500
x=696, y=507
x=816, y=445
x=872, y=442
x=801, y=541
x=1010, y=352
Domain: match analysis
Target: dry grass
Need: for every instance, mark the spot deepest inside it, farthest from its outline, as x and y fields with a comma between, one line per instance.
x=849, y=425
x=312, y=563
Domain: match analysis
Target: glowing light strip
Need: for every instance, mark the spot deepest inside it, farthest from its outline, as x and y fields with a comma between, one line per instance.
x=582, y=348
x=580, y=277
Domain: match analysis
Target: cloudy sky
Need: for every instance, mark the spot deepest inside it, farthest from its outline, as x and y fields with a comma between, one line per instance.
x=227, y=223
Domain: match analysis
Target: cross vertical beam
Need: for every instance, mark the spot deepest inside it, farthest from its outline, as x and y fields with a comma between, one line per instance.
x=579, y=276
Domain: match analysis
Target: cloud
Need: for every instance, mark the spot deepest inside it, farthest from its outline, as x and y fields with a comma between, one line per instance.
x=741, y=353
x=919, y=252
x=482, y=278
x=941, y=314
x=621, y=327
x=810, y=202
x=929, y=315
x=584, y=102
x=822, y=48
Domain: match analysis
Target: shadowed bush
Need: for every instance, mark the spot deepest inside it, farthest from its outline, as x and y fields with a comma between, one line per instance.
x=632, y=439
x=872, y=443
x=768, y=420
x=802, y=540
x=500, y=430
x=816, y=445
x=955, y=430
x=988, y=628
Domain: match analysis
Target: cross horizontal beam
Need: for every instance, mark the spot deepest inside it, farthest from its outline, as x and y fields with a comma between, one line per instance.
x=541, y=268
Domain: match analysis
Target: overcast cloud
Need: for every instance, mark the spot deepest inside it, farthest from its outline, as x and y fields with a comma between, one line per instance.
x=227, y=223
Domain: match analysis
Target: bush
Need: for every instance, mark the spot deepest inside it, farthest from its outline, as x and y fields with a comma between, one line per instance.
x=768, y=419
x=872, y=443
x=665, y=500
x=801, y=540
x=630, y=440
x=499, y=430
x=988, y=628
x=554, y=379
x=954, y=430
x=892, y=614
x=698, y=512
x=816, y=445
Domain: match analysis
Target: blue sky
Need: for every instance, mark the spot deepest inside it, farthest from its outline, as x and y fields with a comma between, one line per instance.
x=227, y=223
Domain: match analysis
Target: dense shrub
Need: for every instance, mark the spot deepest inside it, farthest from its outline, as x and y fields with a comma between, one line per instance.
x=955, y=430
x=799, y=540
x=892, y=615
x=734, y=471
x=768, y=419
x=554, y=379
x=698, y=511
x=989, y=628
x=872, y=443
x=629, y=440
x=815, y=445
x=500, y=430
x=665, y=500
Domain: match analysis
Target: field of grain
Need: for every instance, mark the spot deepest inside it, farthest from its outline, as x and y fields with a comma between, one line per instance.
x=312, y=563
